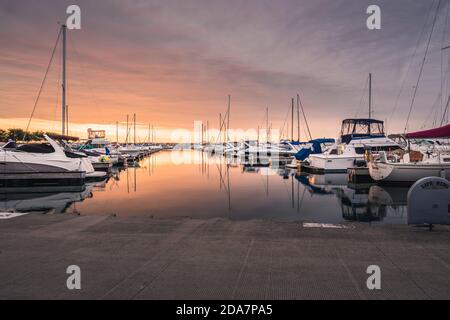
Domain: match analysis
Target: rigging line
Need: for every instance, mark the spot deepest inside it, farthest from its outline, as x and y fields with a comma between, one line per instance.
x=432, y=110
x=411, y=59
x=42, y=84
x=444, y=33
x=422, y=65
x=285, y=121
x=362, y=97
x=304, y=117
x=445, y=111
x=83, y=68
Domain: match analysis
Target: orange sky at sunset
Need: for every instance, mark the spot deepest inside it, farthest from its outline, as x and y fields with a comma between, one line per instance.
x=175, y=62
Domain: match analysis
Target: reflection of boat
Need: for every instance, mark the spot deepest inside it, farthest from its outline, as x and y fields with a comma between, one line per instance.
x=42, y=199
x=328, y=180
x=388, y=196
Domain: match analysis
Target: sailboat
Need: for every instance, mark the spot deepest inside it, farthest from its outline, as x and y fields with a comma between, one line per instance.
x=424, y=158
x=357, y=136
x=42, y=162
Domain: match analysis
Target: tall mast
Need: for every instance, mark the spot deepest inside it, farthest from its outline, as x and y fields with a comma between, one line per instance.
x=63, y=107
x=267, y=124
x=126, y=139
x=117, y=131
x=298, y=117
x=292, y=120
x=228, y=117
x=220, y=127
x=370, y=99
x=134, y=123
x=67, y=119
x=370, y=96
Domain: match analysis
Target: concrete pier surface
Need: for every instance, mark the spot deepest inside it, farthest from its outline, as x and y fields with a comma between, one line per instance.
x=182, y=258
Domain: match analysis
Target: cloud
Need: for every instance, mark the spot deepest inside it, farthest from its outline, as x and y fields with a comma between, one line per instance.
x=173, y=62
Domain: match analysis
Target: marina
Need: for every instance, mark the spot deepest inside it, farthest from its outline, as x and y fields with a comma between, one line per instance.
x=207, y=151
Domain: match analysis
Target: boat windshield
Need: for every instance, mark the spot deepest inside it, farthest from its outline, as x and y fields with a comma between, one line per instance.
x=361, y=128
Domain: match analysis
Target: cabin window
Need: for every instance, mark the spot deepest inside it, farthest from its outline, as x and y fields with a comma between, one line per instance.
x=446, y=159
x=359, y=150
x=333, y=151
x=376, y=128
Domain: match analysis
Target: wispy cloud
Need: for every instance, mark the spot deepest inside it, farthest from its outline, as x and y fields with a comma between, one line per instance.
x=173, y=62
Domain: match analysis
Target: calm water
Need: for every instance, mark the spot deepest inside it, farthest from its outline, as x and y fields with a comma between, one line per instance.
x=189, y=183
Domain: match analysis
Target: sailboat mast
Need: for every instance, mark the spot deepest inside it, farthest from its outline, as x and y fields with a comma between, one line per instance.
x=370, y=99
x=298, y=117
x=228, y=117
x=370, y=96
x=117, y=131
x=267, y=125
x=63, y=107
x=292, y=120
x=134, y=130
x=126, y=139
x=220, y=128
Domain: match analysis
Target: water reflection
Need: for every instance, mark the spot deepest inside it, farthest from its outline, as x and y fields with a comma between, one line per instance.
x=191, y=183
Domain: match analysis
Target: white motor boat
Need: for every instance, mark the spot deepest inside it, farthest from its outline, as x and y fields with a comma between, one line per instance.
x=263, y=149
x=424, y=158
x=43, y=161
x=357, y=136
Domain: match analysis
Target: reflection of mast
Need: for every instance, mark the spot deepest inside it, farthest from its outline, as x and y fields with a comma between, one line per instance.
x=292, y=192
x=128, y=181
x=135, y=180
x=222, y=183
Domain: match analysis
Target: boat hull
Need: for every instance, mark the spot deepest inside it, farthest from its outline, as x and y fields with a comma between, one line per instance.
x=401, y=173
x=330, y=164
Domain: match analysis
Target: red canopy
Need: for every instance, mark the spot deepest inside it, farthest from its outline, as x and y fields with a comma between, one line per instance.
x=442, y=132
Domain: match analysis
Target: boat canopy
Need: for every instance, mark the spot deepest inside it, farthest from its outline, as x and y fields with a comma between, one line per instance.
x=361, y=128
x=442, y=132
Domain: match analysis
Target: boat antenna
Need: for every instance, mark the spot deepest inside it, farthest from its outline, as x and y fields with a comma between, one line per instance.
x=421, y=67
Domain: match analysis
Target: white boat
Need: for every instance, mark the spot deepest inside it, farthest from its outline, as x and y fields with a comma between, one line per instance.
x=357, y=136
x=422, y=159
x=43, y=159
x=265, y=149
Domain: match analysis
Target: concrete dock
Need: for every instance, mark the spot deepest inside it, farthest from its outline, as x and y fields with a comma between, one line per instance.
x=182, y=258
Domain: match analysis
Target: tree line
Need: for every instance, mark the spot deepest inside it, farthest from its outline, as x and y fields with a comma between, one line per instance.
x=18, y=135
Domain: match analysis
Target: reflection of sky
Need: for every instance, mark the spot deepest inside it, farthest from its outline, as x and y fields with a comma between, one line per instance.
x=161, y=189
x=173, y=62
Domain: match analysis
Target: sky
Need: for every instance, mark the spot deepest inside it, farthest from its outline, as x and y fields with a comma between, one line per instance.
x=176, y=62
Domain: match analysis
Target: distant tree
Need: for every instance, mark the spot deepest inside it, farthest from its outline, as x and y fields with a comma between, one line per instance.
x=3, y=135
x=19, y=134
x=36, y=135
x=16, y=134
